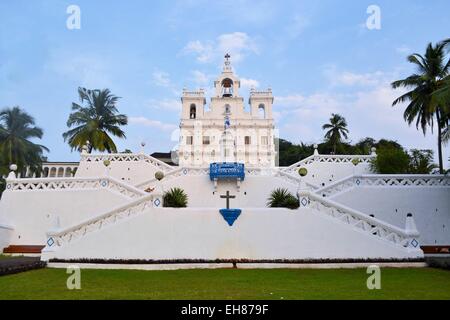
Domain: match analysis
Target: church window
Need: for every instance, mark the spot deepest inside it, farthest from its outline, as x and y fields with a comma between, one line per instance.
x=206, y=140
x=262, y=111
x=248, y=140
x=189, y=139
x=264, y=140
x=193, y=112
x=227, y=109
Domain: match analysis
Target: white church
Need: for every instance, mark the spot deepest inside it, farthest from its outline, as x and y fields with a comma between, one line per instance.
x=109, y=207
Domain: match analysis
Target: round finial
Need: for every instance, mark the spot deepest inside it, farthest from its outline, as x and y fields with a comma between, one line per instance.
x=302, y=172
x=13, y=167
x=315, y=146
x=142, y=144
x=159, y=175
x=356, y=161
x=374, y=150
x=106, y=162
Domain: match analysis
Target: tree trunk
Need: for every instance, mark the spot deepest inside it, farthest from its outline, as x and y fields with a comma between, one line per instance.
x=441, y=164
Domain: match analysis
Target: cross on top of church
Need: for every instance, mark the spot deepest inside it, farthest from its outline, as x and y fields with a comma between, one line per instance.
x=228, y=197
x=227, y=63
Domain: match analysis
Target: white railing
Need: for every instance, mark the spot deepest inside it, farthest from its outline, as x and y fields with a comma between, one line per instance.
x=360, y=221
x=384, y=180
x=176, y=173
x=60, y=237
x=325, y=158
x=279, y=173
x=127, y=157
x=64, y=184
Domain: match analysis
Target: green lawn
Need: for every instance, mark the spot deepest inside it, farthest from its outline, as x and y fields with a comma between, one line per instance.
x=421, y=283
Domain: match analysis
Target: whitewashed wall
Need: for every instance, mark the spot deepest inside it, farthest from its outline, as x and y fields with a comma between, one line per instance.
x=33, y=213
x=430, y=207
x=130, y=168
x=253, y=191
x=203, y=234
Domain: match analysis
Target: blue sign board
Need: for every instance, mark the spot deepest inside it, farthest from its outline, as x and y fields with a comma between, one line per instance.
x=226, y=170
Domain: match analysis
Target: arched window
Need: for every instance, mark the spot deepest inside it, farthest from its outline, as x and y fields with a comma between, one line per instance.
x=227, y=87
x=262, y=111
x=193, y=112
x=227, y=109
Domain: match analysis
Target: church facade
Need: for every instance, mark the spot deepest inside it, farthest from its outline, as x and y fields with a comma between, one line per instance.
x=227, y=131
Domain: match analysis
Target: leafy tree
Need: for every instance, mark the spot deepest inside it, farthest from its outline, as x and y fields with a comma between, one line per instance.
x=95, y=121
x=337, y=128
x=421, y=161
x=17, y=129
x=424, y=105
x=390, y=160
x=175, y=198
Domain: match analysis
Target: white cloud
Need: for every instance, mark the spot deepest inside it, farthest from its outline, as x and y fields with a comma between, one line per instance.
x=165, y=104
x=87, y=69
x=200, y=78
x=249, y=83
x=161, y=78
x=347, y=78
x=297, y=26
x=237, y=44
x=152, y=123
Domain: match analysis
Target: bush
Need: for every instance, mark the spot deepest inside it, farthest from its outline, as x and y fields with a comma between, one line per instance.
x=175, y=198
x=390, y=160
x=282, y=198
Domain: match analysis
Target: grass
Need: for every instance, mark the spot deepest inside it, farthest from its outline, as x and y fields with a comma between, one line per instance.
x=420, y=283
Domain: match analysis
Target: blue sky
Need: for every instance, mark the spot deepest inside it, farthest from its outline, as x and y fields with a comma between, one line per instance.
x=317, y=56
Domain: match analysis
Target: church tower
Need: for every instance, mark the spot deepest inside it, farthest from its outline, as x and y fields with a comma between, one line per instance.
x=226, y=131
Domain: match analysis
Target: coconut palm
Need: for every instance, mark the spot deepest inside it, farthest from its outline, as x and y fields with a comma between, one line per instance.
x=425, y=105
x=16, y=129
x=337, y=128
x=95, y=121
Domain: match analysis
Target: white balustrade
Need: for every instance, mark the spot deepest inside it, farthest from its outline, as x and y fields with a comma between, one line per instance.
x=380, y=180
x=362, y=222
x=63, y=184
x=61, y=237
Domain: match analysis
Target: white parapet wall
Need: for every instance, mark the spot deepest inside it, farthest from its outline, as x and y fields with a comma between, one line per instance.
x=130, y=168
x=258, y=233
x=34, y=206
x=391, y=197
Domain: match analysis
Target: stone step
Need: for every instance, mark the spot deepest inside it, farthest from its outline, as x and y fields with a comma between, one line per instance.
x=36, y=249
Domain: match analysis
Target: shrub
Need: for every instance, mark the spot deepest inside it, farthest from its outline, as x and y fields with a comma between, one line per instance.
x=175, y=198
x=282, y=198
x=390, y=160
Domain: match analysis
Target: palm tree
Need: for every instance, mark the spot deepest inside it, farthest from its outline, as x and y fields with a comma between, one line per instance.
x=424, y=104
x=337, y=128
x=95, y=121
x=16, y=129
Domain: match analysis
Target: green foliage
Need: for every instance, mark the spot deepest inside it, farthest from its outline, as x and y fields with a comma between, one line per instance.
x=95, y=121
x=337, y=128
x=2, y=186
x=17, y=128
x=175, y=198
x=390, y=161
x=421, y=162
x=428, y=87
x=282, y=198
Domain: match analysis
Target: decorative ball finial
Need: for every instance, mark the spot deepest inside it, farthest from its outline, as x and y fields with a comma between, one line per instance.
x=13, y=167
x=106, y=162
x=373, y=150
x=159, y=175
x=142, y=144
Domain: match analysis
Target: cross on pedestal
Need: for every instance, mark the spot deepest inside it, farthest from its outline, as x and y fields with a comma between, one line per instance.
x=228, y=197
